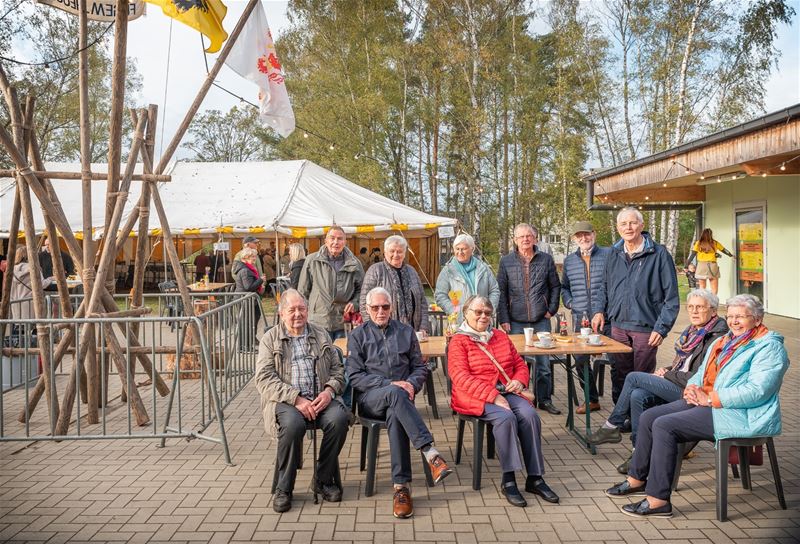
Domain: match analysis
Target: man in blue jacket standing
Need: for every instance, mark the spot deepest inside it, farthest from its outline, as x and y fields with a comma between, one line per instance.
x=584, y=274
x=639, y=296
x=529, y=291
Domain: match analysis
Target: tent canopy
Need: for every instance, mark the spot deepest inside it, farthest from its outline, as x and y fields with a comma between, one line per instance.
x=293, y=198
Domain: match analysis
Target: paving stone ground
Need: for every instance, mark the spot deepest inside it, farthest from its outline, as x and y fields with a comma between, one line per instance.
x=132, y=491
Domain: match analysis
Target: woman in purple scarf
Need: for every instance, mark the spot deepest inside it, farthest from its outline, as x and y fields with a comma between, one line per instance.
x=642, y=390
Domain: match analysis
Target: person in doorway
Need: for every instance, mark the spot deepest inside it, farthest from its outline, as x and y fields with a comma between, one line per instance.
x=639, y=295
x=706, y=250
x=46, y=262
x=529, y=293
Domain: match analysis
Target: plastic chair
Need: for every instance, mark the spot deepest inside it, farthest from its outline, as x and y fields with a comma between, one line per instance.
x=723, y=447
x=173, y=305
x=478, y=428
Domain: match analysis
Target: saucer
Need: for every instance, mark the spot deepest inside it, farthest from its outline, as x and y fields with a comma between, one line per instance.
x=600, y=343
x=540, y=346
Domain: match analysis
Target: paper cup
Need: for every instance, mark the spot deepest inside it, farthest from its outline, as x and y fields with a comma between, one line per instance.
x=530, y=336
x=586, y=331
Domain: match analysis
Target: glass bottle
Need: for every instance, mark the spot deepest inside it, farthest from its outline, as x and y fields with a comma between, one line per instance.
x=562, y=324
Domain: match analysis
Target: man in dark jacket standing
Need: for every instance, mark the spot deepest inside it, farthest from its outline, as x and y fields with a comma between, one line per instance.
x=584, y=272
x=385, y=365
x=639, y=296
x=529, y=291
x=46, y=263
x=331, y=282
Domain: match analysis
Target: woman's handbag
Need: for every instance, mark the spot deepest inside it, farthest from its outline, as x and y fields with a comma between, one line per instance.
x=525, y=393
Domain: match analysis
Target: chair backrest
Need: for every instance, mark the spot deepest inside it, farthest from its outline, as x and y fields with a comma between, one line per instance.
x=168, y=286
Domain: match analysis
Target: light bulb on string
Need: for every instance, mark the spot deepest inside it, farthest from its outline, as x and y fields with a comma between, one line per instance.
x=763, y=174
x=719, y=179
x=702, y=176
x=783, y=167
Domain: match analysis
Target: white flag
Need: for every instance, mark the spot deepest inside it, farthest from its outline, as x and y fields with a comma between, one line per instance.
x=253, y=57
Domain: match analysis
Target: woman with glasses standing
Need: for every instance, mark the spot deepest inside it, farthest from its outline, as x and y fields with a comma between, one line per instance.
x=734, y=394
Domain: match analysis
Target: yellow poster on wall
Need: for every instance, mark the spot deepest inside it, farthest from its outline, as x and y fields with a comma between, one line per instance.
x=751, y=252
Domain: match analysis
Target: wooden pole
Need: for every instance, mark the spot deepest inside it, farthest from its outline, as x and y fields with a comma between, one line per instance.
x=117, y=106
x=93, y=396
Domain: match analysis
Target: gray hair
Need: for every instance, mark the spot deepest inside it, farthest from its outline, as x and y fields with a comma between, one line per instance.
x=395, y=240
x=705, y=294
x=525, y=226
x=378, y=291
x=478, y=299
x=248, y=253
x=631, y=209
x=464, y=238
x=290, y=293
x=751, y=302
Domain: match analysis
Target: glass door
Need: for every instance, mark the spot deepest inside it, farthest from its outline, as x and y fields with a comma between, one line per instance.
x=750, y=228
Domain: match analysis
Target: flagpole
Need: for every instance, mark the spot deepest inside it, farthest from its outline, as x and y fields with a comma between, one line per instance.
x=201, y=94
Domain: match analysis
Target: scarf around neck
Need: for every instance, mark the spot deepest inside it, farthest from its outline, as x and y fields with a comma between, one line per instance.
x=404, y=297
x=467, y=272
x=690, y=338
x=482, y=337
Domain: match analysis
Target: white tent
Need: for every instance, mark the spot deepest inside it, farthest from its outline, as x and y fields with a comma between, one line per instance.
x=295, y=198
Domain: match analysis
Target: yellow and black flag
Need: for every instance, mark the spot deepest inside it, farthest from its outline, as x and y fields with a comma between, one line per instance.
x=204, y=16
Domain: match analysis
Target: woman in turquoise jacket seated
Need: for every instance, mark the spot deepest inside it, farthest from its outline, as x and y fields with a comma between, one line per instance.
x=734, y=394
x=463, y=276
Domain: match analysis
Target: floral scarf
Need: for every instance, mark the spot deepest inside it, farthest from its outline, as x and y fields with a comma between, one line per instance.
x=731, y=343
x=404, y=297
x=689, y=339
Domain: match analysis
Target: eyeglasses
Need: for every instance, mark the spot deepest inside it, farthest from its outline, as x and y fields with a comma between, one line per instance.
x=487, y=313
x=699, y=308
x=738, y=317
x=376, y=307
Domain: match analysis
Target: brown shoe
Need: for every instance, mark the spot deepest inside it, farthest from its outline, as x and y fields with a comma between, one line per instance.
x=593, y=406
x=439, y=469
x=403, y=505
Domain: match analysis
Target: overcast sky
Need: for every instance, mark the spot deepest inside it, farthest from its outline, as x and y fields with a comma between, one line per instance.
x=149, y=41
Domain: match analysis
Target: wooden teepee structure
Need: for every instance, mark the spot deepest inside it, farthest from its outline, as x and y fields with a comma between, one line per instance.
x=97, y=269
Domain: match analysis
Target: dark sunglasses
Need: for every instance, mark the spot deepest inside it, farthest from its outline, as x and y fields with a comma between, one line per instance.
x=376, y=307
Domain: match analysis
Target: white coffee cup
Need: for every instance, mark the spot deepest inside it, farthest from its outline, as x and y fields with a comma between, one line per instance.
x=530, y=335
x=586, y=331
x=421, y=337
x=594, y=339
x=546, y=341
x=544, y=334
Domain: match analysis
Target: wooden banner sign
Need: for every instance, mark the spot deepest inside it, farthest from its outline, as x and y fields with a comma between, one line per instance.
x=98, y=10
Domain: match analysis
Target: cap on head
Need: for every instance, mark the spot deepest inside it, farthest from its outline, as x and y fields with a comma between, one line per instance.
x=582, y=226
x=250, y=240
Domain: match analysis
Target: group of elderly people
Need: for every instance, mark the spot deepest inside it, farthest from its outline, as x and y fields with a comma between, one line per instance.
x=723, y=381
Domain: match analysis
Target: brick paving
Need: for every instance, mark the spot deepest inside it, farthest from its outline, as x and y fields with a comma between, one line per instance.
x=132, y=491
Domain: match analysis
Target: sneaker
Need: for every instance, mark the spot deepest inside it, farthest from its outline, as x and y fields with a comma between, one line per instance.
x=439, y=469
x=281, y=501
x=329, y=492
x=403, y=506
x=604, y=435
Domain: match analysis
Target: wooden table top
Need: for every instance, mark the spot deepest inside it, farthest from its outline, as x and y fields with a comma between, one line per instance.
x=198, y=287
x=436, y=346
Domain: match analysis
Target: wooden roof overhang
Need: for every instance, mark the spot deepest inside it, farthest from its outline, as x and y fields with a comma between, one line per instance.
x=758, y=147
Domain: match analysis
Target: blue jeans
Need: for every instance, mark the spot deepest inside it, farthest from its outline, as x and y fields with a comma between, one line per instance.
x=542, y=377
x=641, y=391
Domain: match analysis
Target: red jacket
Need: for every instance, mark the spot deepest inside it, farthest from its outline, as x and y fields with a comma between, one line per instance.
x=474, y=375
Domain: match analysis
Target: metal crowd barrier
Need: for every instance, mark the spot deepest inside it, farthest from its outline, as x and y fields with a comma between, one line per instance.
x=204, y=362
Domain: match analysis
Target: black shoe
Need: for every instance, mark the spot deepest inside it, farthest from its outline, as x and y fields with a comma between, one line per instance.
x=642, y=508
x=329, y=492
x=623, y=468
x=549, y=408
x=604, y=435
x=625, y=490
x=281, y=501
x=626, y=427
x=513, y=496
x=537, y=486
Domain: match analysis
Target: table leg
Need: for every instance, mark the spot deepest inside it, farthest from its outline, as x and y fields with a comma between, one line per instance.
x=570, y=392
x=584, y=438
x=586, y=400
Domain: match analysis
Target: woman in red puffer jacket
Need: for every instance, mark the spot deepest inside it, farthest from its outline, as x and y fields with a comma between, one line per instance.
x=475, y=355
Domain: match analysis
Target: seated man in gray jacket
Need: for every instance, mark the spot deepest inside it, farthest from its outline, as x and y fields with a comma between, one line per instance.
x=385, y=366
x=291, y=358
